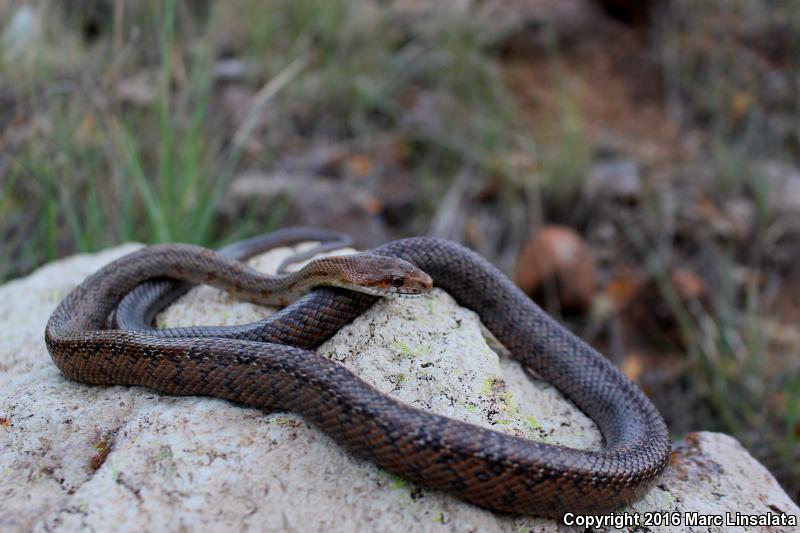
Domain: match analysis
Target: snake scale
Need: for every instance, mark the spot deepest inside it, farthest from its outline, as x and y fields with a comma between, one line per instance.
x=271, y=365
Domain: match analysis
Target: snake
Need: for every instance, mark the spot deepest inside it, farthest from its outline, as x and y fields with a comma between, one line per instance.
x=272, y=365
x=138, y=308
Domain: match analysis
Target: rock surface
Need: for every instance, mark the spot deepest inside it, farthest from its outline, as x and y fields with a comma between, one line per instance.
x=74, y=457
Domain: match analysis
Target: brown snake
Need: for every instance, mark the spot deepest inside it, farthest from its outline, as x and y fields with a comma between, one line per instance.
x=270, y=365
x=138, y=308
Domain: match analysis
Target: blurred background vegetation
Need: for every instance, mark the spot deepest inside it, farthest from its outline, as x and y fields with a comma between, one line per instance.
x=655, y=141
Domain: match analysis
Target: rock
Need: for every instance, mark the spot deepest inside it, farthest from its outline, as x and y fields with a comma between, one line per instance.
x=234, y=70
x=557, y=258
x=125, y=458
x=740, y=215
x=783, y=186
x=139, y=89
x=22, y=37
x=618, y=179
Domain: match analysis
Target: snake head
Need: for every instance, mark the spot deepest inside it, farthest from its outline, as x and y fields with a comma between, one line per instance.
x=385, y=276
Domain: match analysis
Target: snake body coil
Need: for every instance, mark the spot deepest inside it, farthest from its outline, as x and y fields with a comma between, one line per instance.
x=269, y=365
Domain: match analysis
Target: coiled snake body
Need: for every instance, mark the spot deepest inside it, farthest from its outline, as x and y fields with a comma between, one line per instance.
x=270, y=365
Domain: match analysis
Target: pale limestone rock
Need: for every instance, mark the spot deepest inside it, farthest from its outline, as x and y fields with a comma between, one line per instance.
x=74, y=457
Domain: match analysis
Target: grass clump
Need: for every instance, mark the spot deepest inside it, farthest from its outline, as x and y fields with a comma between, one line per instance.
x=93, y=168
x=91, y=171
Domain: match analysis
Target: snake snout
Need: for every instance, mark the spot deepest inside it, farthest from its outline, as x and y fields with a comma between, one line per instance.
x=408, y=281
x=412, y=283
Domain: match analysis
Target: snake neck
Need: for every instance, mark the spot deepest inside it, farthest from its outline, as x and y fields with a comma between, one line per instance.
x=280, y=290
x=289, y=287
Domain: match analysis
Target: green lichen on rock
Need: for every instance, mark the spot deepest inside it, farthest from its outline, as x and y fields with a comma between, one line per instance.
x=488, y=386
x=510, y=407
x=403, y=348
x=468, y=406
x=397, y=482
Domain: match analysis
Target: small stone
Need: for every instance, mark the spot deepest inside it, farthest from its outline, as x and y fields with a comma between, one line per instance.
x=783, y=182
x=740, y=214
x=22, y=36
x=615, y=178
x=233, y=69
x=139, y=89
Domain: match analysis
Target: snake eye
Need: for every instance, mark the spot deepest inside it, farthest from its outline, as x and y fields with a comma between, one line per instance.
x=397, y=281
